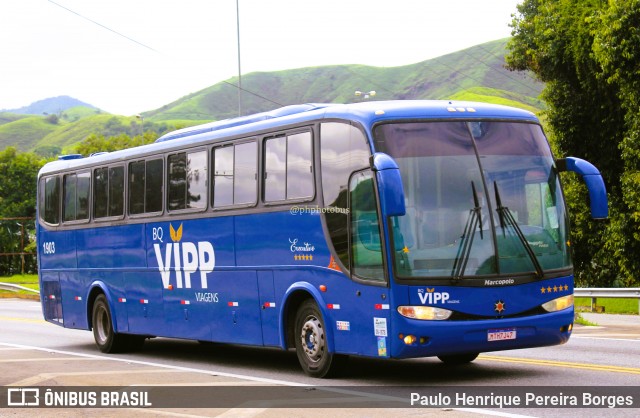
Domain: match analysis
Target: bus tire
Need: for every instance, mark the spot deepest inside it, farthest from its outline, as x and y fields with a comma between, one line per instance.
x=457, y=359
x=311, y=342
x=107, y=340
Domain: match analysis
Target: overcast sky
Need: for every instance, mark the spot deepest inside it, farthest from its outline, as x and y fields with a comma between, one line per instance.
x=130, y=56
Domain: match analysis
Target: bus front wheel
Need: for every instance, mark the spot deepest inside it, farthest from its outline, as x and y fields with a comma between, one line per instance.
x=311, y=342
x=107, y=340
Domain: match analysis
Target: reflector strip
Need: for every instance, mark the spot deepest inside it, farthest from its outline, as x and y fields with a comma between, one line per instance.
x=78, y=298
x=145, y=301
x=52, y=297
x=232, y=303
x=333, y=306
x=382, y=306
x=122, y=300
x=185, y=302
x=269, y=304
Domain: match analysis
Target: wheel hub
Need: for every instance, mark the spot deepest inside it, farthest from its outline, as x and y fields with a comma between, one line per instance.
x=312, y=336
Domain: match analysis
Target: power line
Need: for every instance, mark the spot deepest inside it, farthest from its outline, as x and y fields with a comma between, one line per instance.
x=252, y=93
x=103, y=26
x=239, y=87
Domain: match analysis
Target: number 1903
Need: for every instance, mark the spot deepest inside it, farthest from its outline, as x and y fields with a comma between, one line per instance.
x=49, y=247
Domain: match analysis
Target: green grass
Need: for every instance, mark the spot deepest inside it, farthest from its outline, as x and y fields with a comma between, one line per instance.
x=25, y=280
x=611, y=305
x=21, y=279
x=581, y=321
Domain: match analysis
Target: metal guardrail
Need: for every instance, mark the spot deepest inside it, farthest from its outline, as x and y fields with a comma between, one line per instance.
x=605, y=292
x=14, y=288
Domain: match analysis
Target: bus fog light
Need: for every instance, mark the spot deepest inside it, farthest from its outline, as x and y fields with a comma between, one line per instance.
x=410, y=339
x=558, y=304
x=424, y=312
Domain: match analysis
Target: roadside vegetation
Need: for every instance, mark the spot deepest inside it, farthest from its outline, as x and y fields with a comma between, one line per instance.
x=610, y=305
x=587, y=53
x=24, y=280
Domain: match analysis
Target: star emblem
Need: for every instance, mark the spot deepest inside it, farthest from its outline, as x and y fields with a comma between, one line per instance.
x=500, y=306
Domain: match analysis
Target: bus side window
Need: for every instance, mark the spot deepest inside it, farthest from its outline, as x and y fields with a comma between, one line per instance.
x=69, y=202
x=299, y=166
x=245, y=187
x=116, y=191
x=83, y=192
x=343, y=150
x=234, y=176
x=153, y=189
x=187, y=176
x=100, y=192
x=288, y=168
x=75, y=206
x=145, y=186
x=108, y=191
x=366, y=247
x=222, y=176
x=50, y=200
x=136, y=187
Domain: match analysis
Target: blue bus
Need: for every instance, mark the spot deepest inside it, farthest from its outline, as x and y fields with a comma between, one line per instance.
x=396, y=229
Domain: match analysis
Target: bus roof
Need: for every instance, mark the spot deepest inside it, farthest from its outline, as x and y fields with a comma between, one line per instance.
x=366, y=113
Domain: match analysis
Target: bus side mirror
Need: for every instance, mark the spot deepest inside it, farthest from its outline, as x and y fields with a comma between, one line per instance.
x=389, y=184
x=593, y=180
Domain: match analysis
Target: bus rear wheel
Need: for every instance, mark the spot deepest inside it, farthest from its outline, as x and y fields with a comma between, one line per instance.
x=456, y=359
x=311, y=342
x=107, y=340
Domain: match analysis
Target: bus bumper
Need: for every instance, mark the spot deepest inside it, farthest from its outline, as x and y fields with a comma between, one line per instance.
x=435, y=338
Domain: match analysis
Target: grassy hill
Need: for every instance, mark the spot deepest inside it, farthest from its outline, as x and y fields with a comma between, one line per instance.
x=476, y=74
x=23, y=132
x=52, y=105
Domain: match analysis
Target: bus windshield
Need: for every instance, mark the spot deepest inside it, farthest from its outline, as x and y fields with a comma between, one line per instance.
x=482, y=199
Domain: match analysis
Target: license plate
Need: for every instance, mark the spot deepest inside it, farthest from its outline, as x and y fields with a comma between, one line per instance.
x=501, y=334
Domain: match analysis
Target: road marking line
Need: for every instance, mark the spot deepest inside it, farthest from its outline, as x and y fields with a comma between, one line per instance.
x=11, y=349
x=9, y=318
x=164, y=366
x=17, y=360
x=42, y=377
x=564, y=364
x=485, y=412
x=605, y=339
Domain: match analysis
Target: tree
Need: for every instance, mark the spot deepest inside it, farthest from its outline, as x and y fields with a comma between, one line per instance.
x=558, y=40
x=19, y=172
x=99, y=143
x=617, y=49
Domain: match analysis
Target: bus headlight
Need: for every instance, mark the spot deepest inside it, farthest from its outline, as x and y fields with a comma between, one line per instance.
x=424, y=312
x=558, y=304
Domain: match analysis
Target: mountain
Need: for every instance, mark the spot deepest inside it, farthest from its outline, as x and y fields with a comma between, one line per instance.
x=52, y=105
x=475, y=74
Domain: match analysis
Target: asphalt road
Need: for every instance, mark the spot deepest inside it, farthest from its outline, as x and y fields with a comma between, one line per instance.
x=36, y=353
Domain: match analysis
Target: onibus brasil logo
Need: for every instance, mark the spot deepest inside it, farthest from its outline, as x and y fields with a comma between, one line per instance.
x=182, y=258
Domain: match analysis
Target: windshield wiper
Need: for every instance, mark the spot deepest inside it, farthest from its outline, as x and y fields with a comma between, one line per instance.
x=506, y=219
x=466, y=241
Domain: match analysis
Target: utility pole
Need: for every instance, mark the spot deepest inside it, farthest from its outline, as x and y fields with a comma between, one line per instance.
x=239, y=71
